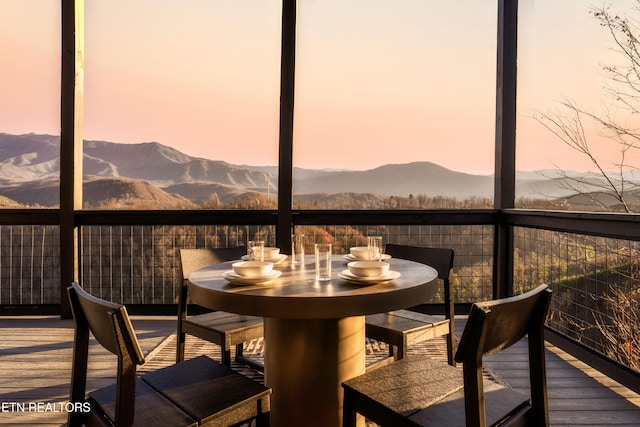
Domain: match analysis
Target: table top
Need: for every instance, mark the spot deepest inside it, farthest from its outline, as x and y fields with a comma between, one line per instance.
x=296, y=293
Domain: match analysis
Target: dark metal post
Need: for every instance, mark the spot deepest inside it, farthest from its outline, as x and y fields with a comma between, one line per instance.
x=285, y=161
x=71, y=104
x=505, y=157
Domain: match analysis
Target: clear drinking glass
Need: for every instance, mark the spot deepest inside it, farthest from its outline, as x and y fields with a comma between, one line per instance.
x=255, y=250
x=297, y=249
x=375, y=249
x=323, y=261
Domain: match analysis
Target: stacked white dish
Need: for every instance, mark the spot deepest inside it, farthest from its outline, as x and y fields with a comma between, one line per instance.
x=252, y=268
x=368, y=272
x=271, y=254
x=361, y=253
x=251, y=273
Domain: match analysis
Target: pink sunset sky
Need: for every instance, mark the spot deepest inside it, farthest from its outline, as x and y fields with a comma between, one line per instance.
x=375, y=83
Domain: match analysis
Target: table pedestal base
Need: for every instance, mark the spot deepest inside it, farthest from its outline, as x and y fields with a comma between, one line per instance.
x=306, y=361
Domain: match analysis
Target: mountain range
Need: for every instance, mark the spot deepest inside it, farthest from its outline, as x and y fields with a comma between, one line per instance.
x=30, y=166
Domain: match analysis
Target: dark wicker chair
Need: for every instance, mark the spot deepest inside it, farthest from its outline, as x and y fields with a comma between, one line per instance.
x=420, y=391
x=199, y=391
x=219, y=327
x=401, y=328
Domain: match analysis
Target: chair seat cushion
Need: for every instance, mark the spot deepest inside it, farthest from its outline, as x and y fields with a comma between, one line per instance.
x=404, y=327
x=500, y=403
x=151, y=408
x=206, y=389
x=426, y=392
x=409, y=385
x=405, y=321
x=226, y=322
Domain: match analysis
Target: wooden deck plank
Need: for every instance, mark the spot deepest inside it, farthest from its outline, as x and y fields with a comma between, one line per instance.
x=35, y=363
x=576, y=393
x=35, y=366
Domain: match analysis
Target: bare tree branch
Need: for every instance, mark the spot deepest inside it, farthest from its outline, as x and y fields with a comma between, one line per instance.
x=623, y=90
x=569, y=128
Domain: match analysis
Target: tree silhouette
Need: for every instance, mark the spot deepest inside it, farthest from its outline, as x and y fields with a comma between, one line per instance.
x=623, y=92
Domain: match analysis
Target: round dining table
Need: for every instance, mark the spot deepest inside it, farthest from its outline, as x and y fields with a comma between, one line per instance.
x=314, y=330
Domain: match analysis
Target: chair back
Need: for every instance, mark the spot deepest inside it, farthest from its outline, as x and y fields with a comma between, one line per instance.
x=194, y=259
x=190, y=261
x=111, y=326
x=442, y=260
x=108, y=321
x=494, y=326
x=439, y=258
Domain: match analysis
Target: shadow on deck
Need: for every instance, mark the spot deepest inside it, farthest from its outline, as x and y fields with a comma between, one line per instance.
x=35, y=367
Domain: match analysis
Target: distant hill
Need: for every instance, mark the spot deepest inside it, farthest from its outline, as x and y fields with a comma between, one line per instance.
x=36, y=157
x=164, y=166
x=340, y=200
x=400, y=180
x=598, y=200
x=200, y=192
x=157, y=174
x=124, y=193
x=29, y=157
x=119, y=192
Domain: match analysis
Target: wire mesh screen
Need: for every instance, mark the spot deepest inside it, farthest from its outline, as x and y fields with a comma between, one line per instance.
x=472, y=277
x=596, y=280
x=140, y=264
x=596, y=285
x=29, y=264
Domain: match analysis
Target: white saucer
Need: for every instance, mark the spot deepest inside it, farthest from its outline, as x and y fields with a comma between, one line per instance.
x=276, y=260
x=347, y=275
x=350, y=257
x=233, y=277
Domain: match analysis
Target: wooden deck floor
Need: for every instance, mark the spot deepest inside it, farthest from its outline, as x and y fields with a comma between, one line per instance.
x=35, y=366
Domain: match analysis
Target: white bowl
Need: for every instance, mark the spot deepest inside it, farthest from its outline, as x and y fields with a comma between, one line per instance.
x=252, y=268
x=360, y=252
x=368, y=268
x=271, y=252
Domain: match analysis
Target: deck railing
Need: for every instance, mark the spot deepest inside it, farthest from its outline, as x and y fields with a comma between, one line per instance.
x=589, y=260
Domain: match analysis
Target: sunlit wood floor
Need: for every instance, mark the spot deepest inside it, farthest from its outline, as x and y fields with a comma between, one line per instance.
x=35, y=366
